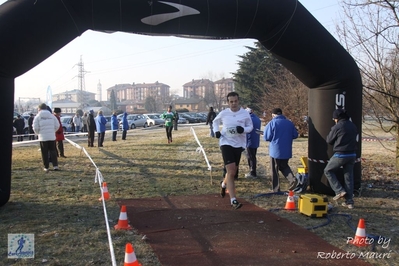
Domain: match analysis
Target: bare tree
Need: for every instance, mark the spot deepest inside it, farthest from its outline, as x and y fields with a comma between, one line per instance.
x=370, y=32
x=215, y=97
x=289, y=94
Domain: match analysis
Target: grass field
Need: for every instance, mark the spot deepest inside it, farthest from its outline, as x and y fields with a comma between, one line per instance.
x=63, y=212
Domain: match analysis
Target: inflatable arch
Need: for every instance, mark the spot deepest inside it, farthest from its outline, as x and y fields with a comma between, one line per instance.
x=32, y=30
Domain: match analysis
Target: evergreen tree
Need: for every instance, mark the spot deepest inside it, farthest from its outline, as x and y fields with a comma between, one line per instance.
x=263, y=84
x=113, y=103
x=255, y=76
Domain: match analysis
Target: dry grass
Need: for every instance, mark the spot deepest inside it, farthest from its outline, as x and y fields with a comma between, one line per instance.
x=63, y=211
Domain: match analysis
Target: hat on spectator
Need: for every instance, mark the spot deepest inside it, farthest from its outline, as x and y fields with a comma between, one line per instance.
x=249, y=110
x=339, y=113
x=42, y=106
x=91, y=111
x=277, y=111
x=57, y=110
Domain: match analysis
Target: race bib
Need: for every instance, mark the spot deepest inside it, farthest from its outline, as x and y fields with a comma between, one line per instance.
x=231, y=131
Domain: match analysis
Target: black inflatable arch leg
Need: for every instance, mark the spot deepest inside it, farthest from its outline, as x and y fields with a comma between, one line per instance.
x=6, y=109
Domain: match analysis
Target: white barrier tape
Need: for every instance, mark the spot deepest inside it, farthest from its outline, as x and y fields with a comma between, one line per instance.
x=110, y=244
x=23, y=135
x=378, y=139
x=100, y=179
x=19, y=143
x=326, y=161
x=201, y=149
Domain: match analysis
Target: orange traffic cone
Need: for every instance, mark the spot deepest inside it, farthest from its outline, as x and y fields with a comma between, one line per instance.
x=360, y=239
x=105, y=193
x=290, y=205
x=130, y=256
x=122, y=222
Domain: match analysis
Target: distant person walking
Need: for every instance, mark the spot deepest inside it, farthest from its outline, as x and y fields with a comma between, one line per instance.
x=169, y=117
x=232, y=141
x=19, y=124
x=175, y=121
x=101, y=121
x=114, y=125
x=45, y=125
x=253, y=140
x=209, y=121
x=91, y=125
x=59, y=134
x=280, y=132
x=85, y=118
x=30, y=127
x=343, y=136
x=77, y=121
x=125, y=126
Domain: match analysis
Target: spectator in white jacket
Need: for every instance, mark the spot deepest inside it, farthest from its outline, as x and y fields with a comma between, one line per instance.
x=77, y=121
x=45, y=124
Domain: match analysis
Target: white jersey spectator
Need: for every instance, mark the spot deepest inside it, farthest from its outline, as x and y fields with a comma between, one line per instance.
x=45, y=124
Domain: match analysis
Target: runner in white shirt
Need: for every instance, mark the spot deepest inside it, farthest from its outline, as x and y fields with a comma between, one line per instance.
x=232, y=141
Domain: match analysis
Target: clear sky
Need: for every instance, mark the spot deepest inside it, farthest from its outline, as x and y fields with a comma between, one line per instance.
x=126, y=58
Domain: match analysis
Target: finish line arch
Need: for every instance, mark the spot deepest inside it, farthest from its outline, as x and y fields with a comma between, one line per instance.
x=33, y=30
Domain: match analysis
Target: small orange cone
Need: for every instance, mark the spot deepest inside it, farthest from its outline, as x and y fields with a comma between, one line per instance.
x=130, y=256
x=360, y=239
x=290, y=205
x=105, y=192
x=122, y=222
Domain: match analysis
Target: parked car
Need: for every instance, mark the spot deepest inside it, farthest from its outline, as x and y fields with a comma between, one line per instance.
x=154, y=120
x=199, y=116
x=119, y=117
x=108, y=124
x=135, y=120
x=66, y=123
x=189, y=118
x=182, y=120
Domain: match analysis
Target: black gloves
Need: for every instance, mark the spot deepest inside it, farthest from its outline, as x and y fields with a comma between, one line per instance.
x=217, y=134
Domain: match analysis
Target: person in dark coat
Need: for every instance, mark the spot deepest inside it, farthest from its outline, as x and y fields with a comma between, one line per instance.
x=209, y=121
x=175, y=122
x=30, y=127
x=253, y=141
x=91, y=123
x=19, y=124
x=344, y=139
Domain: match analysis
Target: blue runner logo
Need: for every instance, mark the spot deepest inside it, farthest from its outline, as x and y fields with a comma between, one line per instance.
x=21, y=246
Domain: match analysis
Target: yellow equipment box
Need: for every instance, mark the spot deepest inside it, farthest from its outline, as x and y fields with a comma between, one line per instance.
x=304, y=169
x=313, y=205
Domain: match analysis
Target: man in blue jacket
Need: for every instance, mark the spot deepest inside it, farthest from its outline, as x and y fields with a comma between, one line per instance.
x=101, y=121
x=253, y=139
x=114, y=126
x=125, y=126
x=280, y=132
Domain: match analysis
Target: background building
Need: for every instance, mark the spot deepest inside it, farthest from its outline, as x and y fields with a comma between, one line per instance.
x=75, y=96
x=198, y=88
x=139, y=92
